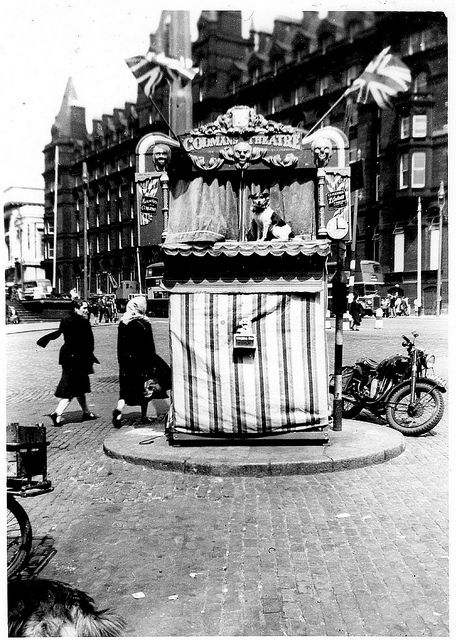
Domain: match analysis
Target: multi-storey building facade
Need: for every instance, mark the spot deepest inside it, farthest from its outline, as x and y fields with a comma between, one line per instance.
x=293, y=74
x=23, y=213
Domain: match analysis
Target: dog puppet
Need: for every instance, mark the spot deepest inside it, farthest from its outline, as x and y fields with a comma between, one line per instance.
x=266, y=223
x=48, y=608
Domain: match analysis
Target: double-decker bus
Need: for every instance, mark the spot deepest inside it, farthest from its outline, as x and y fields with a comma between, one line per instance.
x=368, y=284
x=157, y=296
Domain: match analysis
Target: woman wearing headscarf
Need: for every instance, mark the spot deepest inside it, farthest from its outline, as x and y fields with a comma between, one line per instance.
x=76, y=358
x=137, y=361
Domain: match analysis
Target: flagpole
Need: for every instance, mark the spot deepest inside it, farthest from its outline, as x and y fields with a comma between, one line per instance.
x=344, y=95
x=56, y=179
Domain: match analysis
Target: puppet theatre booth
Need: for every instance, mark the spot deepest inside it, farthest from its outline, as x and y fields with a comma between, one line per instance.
x=245, y=253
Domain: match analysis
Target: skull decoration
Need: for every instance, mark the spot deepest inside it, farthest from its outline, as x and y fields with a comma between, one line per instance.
x=242, y=154
x=160, y=156
x=322, y=150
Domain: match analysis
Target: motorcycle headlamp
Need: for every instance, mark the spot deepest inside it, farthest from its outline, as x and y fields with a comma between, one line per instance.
x=430, y=361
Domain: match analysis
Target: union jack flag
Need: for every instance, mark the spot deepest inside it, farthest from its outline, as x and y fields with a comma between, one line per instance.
x=383, y=78
x=151, y=69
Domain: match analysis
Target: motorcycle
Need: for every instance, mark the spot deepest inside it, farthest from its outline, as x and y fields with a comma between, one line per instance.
x=401, y=388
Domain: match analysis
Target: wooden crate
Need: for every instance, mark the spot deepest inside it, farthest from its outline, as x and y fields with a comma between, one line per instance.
x=26, y=450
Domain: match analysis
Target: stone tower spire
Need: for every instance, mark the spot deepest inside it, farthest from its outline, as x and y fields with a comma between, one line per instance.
x=70, y=120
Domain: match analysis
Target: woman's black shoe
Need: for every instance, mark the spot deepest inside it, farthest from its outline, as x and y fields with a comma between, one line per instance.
x=56, y=419
x=117, y=418
x=88, y=416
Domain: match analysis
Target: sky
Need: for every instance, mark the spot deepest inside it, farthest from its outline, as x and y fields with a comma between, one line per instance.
x=44, y=42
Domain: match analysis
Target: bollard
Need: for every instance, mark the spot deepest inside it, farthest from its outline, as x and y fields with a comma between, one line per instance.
x=379, y=319
x=346, y=322
x=328, y=320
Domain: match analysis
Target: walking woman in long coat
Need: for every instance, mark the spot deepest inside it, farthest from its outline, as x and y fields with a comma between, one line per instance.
x=137, y=361
x=76, y=358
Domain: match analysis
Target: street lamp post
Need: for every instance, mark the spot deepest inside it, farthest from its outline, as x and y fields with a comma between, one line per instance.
x=418, y=257
x=441, y=201
x=85, y=183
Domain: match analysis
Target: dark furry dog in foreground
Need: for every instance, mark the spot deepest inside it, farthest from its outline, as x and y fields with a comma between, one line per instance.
x=47, y=608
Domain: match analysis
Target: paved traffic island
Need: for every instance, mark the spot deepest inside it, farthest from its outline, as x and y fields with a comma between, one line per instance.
x=359, y=444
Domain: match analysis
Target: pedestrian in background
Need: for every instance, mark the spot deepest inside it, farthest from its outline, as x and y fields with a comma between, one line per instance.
x=76, y=358
x=136, y=356
x=356, y=312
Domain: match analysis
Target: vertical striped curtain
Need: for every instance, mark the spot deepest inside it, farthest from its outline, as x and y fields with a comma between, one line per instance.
x=281, y=386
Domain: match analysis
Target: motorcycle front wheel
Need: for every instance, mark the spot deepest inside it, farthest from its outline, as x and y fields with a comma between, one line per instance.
x=417, y=418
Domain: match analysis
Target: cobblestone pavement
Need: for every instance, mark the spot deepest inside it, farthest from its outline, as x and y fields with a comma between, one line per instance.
x=357, y=552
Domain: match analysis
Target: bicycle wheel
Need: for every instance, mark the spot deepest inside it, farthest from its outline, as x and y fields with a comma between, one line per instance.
x=18, y=536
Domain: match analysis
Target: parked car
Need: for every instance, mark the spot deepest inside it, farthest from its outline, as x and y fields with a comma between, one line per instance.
x=36, y=289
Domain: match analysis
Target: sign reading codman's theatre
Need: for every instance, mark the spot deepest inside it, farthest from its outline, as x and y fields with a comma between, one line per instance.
x=247, y=227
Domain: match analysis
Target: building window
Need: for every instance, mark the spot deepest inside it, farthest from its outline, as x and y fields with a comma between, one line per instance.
x=434, y=247
x=108, y=196
x=353, y=150
x=97, y=198
x=97, y=244
x=354, y=115
x=77, y=205
x=419, y=129
x=272, y=105
x=377, y=187
x=233, y=86
x=119, y=191
x=132, y=237
x=132, y=211
x=399, y=246
x=351, y=74
x=108, y=244
x=377, y=144
x=418, y=169
x=78, y=249
x=420, y=83
x=375, y=245
x=108, y=216
x=354, y=28
x=419, y=41
x=119, y=240
x=403, y=172
x=324, y=84
x=200, y=95
x=97, y=219
x=49, y=250
x=298, y=95
x=405, y=127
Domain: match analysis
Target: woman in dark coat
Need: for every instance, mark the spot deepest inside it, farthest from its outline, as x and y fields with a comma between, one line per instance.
x=356, y=311
x=76, y=358
x=137, y=361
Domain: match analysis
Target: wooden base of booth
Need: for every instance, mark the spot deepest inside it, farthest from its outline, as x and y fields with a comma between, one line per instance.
x=293, y=438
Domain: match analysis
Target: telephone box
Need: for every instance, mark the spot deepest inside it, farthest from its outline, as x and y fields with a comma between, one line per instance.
x=246, y=275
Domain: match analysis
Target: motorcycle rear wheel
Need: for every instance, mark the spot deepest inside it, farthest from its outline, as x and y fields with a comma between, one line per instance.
x=420, y=418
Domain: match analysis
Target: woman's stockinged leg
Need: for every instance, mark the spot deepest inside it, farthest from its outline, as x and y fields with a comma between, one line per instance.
x=86, y=413
x=83, y=402
x=56, y=416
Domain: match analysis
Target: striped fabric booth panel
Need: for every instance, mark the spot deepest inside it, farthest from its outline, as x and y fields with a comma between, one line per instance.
x=280, y=386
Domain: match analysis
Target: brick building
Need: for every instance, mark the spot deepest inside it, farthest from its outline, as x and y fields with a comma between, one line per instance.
x=292, y=74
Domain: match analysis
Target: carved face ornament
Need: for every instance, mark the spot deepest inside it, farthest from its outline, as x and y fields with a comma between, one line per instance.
x=242, y=154
x=160, y=157
x=322, y=150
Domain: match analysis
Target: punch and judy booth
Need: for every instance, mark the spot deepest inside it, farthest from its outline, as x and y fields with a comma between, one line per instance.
x=247, y=314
